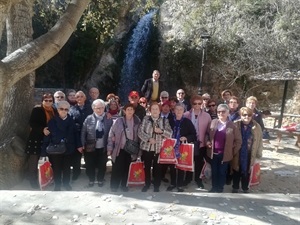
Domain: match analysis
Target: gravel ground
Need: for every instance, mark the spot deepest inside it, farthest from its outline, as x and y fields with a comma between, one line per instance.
x=274, y=201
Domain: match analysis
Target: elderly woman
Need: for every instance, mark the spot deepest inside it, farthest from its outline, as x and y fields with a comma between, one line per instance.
x=128, y=123
x=94, y=135
x=205, y=98
x=224, y=142
x=39, y=118
x=212, y=108
x=250, y=151
x=62, y=129
x=152, y=132
x=201, y=121
x=183, y=131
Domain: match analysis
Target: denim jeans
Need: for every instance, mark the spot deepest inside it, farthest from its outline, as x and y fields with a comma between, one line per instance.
x=219, y=171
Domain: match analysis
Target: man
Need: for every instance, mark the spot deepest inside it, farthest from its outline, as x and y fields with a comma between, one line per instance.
x=233, y=105
x=226, y=95
x=58, y=96
x=152, y=87
x=164, y=96
x=79, y=112
x=180, y=94
x=93, y=94
x=139, y=110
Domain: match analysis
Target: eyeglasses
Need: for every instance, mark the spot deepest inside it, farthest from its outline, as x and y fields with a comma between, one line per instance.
x=63, y=109
x=244, y=115
x=197, y=103
x=46, y=100
x=180, y=93
x=222, y=111
x=142, y=102
x=134, y=97
x=211, y=105
x=99, y=108
x=59, y=96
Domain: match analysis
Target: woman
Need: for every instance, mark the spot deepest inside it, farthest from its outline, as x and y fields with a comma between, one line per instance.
x=151, y=133
x=205, y=98
x=143, y=102
x=94, y=135
x=113, y=108
x=39, y=118
x=250, y=151
x=115, y=148
x=251, y=103
x=224, y=142
x=62, y=129
x=212, y=108
x=201, y=121
x=183, y=131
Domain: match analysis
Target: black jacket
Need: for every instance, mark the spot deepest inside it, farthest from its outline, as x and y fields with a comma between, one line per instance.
x=148, y=88
x=187, y=130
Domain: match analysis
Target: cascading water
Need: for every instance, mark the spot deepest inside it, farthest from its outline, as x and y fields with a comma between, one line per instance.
x=133, y=70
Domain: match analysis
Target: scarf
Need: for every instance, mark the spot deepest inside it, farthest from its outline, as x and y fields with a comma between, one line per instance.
x=49, y=113
x=246, y=135
x=99, y=123
x=113, y=112
x=176, y=135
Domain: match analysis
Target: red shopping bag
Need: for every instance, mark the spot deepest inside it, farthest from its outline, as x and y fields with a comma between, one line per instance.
x=186, y=159
x=206, y=171
x=45, y=175
x=167, y=153
x=136, y=174
x=254, y=175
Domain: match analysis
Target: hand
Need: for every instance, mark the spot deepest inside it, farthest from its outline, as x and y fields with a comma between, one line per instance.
x=158, y=130
x=182, y=139
x=109, y=152
x=113, y=139
x=208, y=144
x=152, y=141
x=138, y=159
x=46, y=131
x=80, y=149
x=108, y=115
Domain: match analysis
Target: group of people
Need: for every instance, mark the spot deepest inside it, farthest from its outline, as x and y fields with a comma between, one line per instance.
x=224, y=135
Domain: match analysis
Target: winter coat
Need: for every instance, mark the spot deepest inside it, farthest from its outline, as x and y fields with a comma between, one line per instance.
x=256, y=148
x=88, y=130
x=62, y=130
x=233, y=140
x=116, y=134
x=147, y=89
x=146, y=132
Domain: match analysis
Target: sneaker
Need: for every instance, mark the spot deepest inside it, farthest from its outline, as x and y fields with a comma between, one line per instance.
x=145, y=189
x=156, y=189
x=67, y=187
x=124, y=189
x=200, y=185
x=180, y=189
x=170, y=188
x=234, y=190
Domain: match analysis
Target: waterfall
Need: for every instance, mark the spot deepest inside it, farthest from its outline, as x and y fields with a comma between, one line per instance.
x=133, y=70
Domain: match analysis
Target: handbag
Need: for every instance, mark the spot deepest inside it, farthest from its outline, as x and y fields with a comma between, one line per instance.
x=186, y=160
x=56, y=149
x=136, y=174
x=254, y=178
x=132, y=147
x=167, y=153
x=45, y=174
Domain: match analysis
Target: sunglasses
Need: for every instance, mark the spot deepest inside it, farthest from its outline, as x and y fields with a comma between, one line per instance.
x=244, y=115
x=211, y=105
x=46, y=100
x=223, y=111
x=59, y=96
x=63, y=109
x=197, y=103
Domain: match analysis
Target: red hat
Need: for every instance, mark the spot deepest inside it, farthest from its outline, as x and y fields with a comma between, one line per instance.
x=167, y=102
x=134, y=93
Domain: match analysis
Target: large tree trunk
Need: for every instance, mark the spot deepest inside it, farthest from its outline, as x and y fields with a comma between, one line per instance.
x=17, y=77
